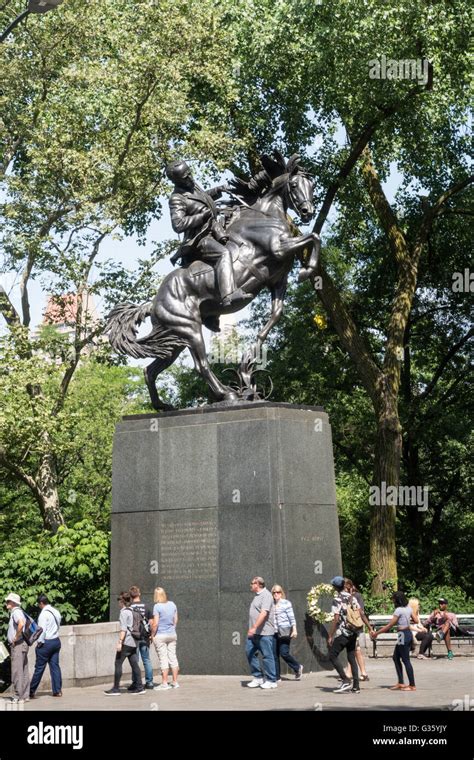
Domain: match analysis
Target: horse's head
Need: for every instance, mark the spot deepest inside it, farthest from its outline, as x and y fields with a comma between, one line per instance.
x=300, y=190
x=286, y=179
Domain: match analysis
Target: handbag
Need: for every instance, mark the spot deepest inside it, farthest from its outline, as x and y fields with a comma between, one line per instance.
x=4, y=653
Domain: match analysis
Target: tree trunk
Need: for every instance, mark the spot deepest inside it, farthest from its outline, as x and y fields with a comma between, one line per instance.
x=47, y=495
x=388, y=448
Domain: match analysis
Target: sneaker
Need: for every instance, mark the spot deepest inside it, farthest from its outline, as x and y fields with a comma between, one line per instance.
x=345, y=686
x=15, y=700
x=138, y=691
x=355, y=691
x=162, y=687
x=299, y=673
x=439, y=635
x=112, y=693
x=278, y=680
x=269, y=685
x=450, y=655
x=255, y=683
x=174, y=685
x=148, y=686
x=422, y=657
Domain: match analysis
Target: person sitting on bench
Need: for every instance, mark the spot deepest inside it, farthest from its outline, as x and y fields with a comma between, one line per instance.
x=447, y=626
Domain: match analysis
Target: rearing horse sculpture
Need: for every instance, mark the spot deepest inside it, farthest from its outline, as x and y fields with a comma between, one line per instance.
x=263, y=247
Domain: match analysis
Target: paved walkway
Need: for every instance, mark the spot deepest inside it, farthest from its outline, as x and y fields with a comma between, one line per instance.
x=439, y=684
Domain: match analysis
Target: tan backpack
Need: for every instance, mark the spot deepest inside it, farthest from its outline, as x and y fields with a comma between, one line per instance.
x=354, y=619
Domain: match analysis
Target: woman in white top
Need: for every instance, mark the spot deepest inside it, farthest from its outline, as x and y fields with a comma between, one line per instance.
x=402, y=617
x=285, y=624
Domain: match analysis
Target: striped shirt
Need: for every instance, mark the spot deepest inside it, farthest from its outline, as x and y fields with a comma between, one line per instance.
x=284, y=615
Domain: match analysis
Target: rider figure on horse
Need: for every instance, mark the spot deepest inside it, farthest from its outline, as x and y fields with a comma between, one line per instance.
x=194, y=213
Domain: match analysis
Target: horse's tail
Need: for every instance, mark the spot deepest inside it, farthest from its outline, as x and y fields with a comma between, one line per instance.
x=122, y=325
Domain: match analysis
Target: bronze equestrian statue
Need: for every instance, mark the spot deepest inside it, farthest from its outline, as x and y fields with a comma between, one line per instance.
x=260, y=241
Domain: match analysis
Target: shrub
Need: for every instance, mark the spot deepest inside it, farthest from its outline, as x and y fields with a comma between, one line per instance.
x=71, y=567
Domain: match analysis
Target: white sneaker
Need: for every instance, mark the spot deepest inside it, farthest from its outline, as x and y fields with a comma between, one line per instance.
x=345, y=686
x=269, y=685
x=162, y=687
x=174, y=685
x=254, y=683
x=299, y=674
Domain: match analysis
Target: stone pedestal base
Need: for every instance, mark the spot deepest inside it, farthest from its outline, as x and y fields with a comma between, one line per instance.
x=205, y=499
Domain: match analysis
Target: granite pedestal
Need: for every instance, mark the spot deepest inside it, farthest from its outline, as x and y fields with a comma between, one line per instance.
x=205, y=499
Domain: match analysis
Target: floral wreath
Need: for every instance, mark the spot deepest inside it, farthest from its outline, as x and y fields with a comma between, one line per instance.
x=314, y=605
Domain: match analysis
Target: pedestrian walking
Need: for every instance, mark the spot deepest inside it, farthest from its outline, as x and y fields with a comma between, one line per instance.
x=126, y=649
x=402, y=617
x=348, y=622
x=261, y=637
x=285, y=623
x=146, y=611
x=18, y=650
x=48, y=648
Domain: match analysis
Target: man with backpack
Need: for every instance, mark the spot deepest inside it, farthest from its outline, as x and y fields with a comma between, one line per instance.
x=348, y=622
x=48, y=647
x=18, y=650
x=129, y=636
x=145, y=640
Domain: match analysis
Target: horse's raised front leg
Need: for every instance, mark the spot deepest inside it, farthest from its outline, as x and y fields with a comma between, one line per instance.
x=287, y=245
x=306, y=272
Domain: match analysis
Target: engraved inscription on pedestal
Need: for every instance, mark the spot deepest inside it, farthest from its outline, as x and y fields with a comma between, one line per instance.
x=188, y=549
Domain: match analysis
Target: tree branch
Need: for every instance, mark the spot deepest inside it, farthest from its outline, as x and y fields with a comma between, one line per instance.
x=25, y=305
x=69, y=373
x=348, y=454
x=7, y=309
x=444, y=363
x=350, y=339
x=18, y=471
x=383, y=209
x=432, y=212
x=356, y=151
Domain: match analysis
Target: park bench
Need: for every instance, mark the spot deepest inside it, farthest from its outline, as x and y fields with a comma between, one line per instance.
x=465, y=621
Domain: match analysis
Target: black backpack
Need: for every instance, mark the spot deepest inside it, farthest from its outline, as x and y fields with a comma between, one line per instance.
x=140, y=630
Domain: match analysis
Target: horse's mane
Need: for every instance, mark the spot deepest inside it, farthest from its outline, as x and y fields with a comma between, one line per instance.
x=276, y=171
